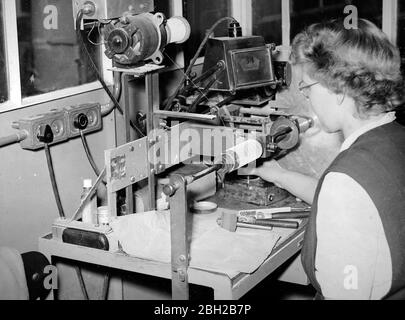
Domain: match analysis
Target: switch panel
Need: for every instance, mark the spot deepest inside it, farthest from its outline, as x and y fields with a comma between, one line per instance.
x=86, y=117
x=65, y=124
x=57, y=120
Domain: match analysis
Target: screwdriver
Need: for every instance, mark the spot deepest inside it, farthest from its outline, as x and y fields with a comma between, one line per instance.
x=295, y=215
x=276, y=213
x=277, y=223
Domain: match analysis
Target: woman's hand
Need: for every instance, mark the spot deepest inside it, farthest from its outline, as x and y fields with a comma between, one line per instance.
x=271, y=171
x=300, y=185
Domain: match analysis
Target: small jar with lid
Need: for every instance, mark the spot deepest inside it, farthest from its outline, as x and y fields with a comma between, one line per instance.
x=103, y=216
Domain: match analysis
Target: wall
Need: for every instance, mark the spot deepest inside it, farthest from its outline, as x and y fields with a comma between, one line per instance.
x=27, y=205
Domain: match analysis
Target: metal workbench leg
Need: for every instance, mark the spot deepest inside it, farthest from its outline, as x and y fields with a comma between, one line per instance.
x=116, y=291
x=180, y=241
x=223, y=290
x=127, y=121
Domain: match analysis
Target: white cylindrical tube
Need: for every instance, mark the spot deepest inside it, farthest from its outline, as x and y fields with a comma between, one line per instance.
x=241, y=155
x=178, y=29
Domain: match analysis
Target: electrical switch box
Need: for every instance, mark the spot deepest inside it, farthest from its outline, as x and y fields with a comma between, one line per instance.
x=65, y=124
x=55, y=119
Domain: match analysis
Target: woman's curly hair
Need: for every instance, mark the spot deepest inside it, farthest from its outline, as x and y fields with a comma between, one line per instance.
x=361, y=63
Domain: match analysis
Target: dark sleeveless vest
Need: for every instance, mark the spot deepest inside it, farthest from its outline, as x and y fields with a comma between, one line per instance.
x=377, y=162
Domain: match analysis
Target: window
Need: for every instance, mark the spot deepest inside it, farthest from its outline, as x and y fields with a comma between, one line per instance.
x=267, y=20
x=304, y=13
x=202, y=15
x=3, y=62
x=50, y=56
x=164, y=7
x=401, y=32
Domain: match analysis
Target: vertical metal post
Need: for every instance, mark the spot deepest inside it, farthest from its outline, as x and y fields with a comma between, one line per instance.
x=127, y=121
x=180, y=241
x=152, y=94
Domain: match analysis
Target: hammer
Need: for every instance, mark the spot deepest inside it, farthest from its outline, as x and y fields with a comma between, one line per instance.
x=229, y=221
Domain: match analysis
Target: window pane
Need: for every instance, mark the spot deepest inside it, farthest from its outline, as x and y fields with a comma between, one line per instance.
x=305, y=13
x=267, y=20
x=3, y=61
x=50, y=56
x=401, y=32
x=202, y=15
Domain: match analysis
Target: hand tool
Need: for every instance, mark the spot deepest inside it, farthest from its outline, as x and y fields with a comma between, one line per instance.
x=275, y=213
x=270, y=222
x=229, y=221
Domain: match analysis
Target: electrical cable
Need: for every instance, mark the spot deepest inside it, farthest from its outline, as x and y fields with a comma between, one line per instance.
x=53, y=181
x=83, y=46
x=88, y=154
x=99, y=33
x=192, y=63
x=107, y=109
x=81, y=282
x=97, y=73
x=106, y=286
x=218, y=106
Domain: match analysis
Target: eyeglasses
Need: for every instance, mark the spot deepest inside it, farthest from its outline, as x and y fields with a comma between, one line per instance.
x=303, y=88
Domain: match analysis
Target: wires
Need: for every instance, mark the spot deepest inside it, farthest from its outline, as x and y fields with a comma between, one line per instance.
x=81, y=282
x=190, y=67
x=88, y=154
x=53, y=181
x=90, y=60
x=106, y=285
x=99, y=33
x=97, y=73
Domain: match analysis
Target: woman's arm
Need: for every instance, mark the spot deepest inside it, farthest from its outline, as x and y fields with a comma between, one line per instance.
x=299, y=185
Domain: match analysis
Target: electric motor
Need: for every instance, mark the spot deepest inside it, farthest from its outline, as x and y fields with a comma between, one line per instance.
x=137, y=38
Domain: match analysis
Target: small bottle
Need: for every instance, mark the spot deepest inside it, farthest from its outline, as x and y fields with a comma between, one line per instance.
x=90, y=210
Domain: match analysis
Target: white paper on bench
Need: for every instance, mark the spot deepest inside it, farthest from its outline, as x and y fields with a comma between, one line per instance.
x=147, y=236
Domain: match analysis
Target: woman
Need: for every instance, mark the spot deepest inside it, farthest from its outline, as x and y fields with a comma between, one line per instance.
x=355, y=240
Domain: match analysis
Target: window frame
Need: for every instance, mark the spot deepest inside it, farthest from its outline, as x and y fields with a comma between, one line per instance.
x=16, y=101
x=240, y=9
x=390, y=19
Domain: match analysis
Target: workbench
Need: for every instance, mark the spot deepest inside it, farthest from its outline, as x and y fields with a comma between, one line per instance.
x=224, y=287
